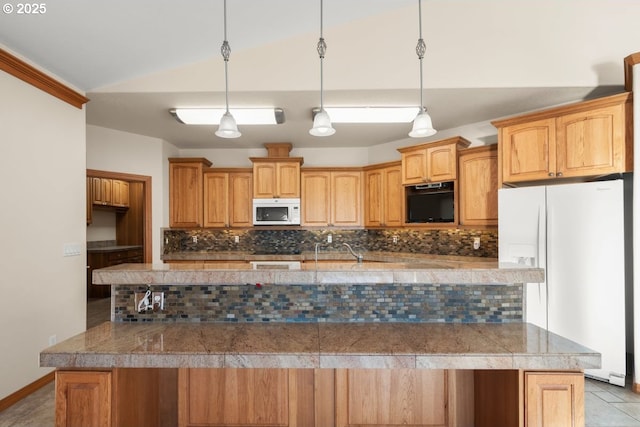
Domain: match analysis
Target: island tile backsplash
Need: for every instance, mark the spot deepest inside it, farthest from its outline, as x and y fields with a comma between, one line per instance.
x=436, y=242
x=398, y=302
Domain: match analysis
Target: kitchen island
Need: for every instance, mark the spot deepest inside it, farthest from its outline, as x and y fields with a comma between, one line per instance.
x=323, y=374
x=407, y=342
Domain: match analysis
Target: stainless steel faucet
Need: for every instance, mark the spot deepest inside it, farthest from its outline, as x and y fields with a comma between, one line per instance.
x=358, y=256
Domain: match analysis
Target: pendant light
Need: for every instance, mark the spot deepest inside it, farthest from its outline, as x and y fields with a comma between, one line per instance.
x=422, y=126
x=321, y=121
x=228, y=127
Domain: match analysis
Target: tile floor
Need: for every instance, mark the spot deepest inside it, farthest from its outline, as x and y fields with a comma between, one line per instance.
x=605, y=405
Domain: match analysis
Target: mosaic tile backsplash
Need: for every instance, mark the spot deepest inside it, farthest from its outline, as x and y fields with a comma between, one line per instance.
x=327, y=303
x=435, y=242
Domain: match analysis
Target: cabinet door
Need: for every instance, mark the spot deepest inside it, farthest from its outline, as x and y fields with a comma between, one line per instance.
x=119, y=193
x=240, y=199
x=102, y=191
x=225, y=397
x=414, y=167
x=528, y=151
x=441, y=163
x=346, y=198
x=83, y=399
x=554, y=399
x=373, y=198
x=315, y=200
x=89, y=200
x=288, y=180
x=478, y=186
x=216, y=199
x=393, y=191
x=591, y=143
x=264, y=180
x=391, y=397
x=185, y=194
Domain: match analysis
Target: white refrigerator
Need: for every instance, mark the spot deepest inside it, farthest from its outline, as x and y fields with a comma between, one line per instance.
x=576, y=232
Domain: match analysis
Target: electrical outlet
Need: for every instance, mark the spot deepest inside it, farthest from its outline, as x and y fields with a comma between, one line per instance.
x=236, y=239
x=476, y=243
x=395, y=240
x=194, y=239
x=329, y=238
x=158, y=301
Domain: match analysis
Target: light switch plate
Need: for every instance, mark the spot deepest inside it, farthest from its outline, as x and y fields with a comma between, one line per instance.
x=71, y=249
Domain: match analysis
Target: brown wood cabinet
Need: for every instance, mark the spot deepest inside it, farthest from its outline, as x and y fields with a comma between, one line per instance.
x=431, y=162
x=246, y=397
x=318, y=397
x=83, y=398
x=119, y=193
x=276, y=178
x=554, y=399
x=110, y=192
x=89, y=200
x=228, y=198
x=478, y=185
x=186, y=196
x=384, y=397
x=589, y=138
x=331, y=197
x=384, y=196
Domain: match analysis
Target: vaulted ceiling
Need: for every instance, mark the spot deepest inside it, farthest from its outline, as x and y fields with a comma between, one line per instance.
x=485, y=59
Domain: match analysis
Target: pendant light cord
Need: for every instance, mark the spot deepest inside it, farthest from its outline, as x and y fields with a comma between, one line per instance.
x=420, y=50
x=322, y=49
x=226, y=52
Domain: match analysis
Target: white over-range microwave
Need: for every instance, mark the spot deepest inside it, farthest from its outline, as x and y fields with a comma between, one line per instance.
x=276, y=211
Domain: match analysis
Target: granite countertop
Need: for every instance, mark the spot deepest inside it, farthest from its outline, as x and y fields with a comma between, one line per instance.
x=378, y=267
x=320, y=345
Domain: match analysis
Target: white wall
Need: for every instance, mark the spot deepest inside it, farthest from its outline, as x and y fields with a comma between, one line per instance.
x=103, y=226
x=116, y=151
x=42, y=171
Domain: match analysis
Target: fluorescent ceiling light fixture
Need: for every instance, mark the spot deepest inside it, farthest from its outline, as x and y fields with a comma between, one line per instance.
x=243, y=116
x=370, y=114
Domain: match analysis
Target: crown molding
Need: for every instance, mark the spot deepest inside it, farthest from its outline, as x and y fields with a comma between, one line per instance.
x=27, y=73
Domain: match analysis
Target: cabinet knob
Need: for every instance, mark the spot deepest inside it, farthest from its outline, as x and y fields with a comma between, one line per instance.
x=550, y=173
x=559, y=173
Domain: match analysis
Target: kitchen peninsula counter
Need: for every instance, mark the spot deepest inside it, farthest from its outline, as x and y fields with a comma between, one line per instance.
x=378, y=267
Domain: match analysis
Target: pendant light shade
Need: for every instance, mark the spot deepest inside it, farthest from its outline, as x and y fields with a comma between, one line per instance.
x=322, y=125
x=422, y=126
x=228, y=127
x=321, y=121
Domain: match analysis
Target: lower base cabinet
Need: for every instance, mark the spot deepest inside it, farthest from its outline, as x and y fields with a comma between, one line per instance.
x=273, y=397
x=83, y=399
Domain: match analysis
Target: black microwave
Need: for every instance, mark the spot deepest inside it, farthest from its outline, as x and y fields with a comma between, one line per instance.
x=430, y=203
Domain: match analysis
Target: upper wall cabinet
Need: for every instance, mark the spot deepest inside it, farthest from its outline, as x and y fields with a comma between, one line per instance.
x=276, y=178
x=584, y=139
x=384, y=196
x=228, y=198
x=110, y=192
x=431, y=162
x=186, y=191
x=478, y=185
x=331, y=197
